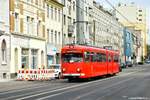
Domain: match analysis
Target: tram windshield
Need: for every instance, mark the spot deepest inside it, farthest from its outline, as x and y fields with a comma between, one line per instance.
x=72, y=57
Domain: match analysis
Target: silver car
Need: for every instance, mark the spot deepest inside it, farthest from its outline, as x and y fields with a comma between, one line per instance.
x=57, y=70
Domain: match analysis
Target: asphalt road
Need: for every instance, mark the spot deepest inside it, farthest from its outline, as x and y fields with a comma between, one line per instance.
x=131, y=84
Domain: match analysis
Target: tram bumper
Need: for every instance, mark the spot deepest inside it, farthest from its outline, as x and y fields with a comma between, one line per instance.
x=74, y=75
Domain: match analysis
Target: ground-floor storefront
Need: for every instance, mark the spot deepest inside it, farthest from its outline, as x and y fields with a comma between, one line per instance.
x=27, y=53
x=53, y=54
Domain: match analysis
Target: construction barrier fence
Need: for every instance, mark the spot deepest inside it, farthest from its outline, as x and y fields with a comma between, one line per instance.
x=35, y=74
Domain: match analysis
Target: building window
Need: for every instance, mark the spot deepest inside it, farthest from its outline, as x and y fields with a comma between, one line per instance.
x=55, y=37
x=16, y=22
x=36, y=2
x=64, y=2
x=38, y=28
x=28, y=24
x=73, y=6
x=140, y=19
x=140, y=10
x=25, y=58
x=48, y=36
x=34, y=58
x=32, y=26
x=56, y=14
x=69, y=10
x=52, y=12
x=86, y=11
x=3, y=51
x=59, y=15
x=43, y=4
x=51, y=36
x=59, y=37
x=16, y=59
x=69, y=20
x=42, y=57
x=140, y=14
x=64, y=19
x=47, y=10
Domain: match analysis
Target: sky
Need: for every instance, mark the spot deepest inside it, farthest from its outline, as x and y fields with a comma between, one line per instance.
x=144, y=3
x=141, y=3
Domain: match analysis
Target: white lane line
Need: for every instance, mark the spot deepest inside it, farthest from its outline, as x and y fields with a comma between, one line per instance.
x=25, y=88
x=30, y=93
x=86, y=94
x=79, y=85
x=47, y=97
x=88, y=86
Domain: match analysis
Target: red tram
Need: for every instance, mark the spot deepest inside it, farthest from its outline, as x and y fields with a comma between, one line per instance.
x=80, y=61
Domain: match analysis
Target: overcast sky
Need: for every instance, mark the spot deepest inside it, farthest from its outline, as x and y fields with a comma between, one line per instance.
x=144, y=3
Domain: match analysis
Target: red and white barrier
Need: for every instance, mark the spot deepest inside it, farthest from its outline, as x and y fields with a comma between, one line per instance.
x=21, y=75
x=35, y=74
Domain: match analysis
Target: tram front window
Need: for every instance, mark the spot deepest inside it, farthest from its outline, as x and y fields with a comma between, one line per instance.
x=72, y=57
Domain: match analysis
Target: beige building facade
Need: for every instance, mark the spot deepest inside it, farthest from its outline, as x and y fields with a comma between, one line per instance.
x=28, y=40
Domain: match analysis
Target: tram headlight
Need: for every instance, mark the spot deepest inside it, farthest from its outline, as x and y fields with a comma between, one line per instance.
x=78, y=70
x=63, y=69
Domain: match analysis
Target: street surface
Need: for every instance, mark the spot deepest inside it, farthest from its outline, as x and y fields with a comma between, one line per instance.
x=131, y=84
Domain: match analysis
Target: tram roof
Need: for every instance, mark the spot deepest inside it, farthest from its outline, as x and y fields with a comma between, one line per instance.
x=87, y=47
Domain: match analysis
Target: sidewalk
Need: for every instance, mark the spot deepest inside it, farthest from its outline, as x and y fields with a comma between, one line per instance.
x=6, y=80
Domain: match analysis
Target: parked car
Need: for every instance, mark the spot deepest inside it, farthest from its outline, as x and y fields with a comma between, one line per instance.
x=129, y=64
x=122, y=65
x=147, y=61
x=57, y=70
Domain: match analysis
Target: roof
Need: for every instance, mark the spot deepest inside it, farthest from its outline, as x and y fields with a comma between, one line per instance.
x=55, y=1
x=85, y=47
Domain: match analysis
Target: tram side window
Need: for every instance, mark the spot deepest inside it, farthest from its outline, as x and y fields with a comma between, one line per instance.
x=87, y=56
x=99, y=57
x=93, y=57
x=103, y=57
x=109, y=58
x=116, y=58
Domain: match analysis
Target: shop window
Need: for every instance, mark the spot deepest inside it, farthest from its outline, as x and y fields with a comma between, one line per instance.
x=42, y=57
x=3, y=51
x=25, y=58
x=34, y=58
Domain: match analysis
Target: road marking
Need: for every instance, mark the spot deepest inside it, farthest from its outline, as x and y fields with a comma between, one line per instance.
x=25, y=88
x=136, y=98
x=84, y=94
x=79, y=85
x=15, y=96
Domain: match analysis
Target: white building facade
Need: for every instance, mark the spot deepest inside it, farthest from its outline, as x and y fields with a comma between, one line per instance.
x=4, y=40
x=54, y=31
x=107, y=31
x=69, y=21
x=84, y=21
